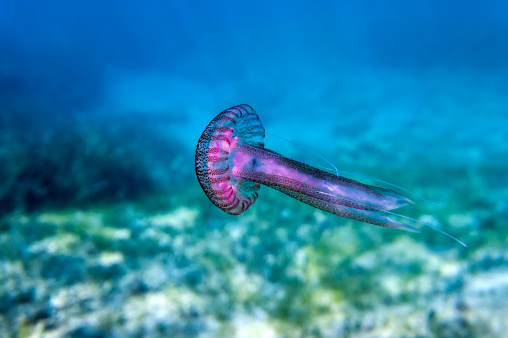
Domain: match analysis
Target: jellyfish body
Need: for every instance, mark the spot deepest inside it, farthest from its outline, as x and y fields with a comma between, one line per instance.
x=231, y=163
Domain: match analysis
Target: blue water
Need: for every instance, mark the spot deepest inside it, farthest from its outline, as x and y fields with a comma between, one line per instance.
x=101, y=107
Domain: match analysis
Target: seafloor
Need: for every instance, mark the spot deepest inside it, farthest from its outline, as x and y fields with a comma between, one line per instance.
x=105, y=231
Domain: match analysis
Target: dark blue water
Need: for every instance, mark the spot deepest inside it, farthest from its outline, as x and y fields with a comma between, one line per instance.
x=105, y=230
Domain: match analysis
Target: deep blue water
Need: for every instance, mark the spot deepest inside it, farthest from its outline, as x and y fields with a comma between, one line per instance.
x=101, y=107
x=71, y=51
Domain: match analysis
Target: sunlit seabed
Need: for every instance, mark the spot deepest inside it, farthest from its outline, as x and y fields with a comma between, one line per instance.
x=286, y=269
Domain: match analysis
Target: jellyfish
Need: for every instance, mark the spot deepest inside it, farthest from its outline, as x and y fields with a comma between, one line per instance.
x=232, y=162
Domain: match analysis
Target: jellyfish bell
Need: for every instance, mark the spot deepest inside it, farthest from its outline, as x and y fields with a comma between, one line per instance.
x=214, y=165
x=232, y=163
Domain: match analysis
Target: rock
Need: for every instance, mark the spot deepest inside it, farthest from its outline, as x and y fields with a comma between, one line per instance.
x=454, y=326
x=134, y=285
x=193, y=277
x=461, y=305
x=66, y=269
x=25, y=295
x=5, y=302
x=155, y=276
x=369, y=322
x=87, y=331
x=340, y=327
x=106, y=272
x=39, y=312
x=486, y=259
x=109, y=265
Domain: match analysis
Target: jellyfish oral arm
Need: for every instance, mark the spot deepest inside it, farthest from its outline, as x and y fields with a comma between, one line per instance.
x=269, y=168
x=315, y=187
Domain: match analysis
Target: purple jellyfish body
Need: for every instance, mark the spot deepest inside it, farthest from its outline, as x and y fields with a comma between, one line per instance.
x=231, y=163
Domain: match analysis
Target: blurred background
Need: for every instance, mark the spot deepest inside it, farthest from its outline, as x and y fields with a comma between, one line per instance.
x=105, y=231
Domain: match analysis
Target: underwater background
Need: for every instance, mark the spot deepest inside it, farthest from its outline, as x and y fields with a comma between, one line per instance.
x=106, y=232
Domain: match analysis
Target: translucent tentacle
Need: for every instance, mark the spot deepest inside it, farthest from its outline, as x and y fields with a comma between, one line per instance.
x=312, y=151
x=406, y=217
x=349, y=173
x=393, y=185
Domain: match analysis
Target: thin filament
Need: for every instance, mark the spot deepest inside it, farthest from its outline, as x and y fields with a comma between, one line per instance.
x=388, y=183
x=395, y=214
x=312, y=151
